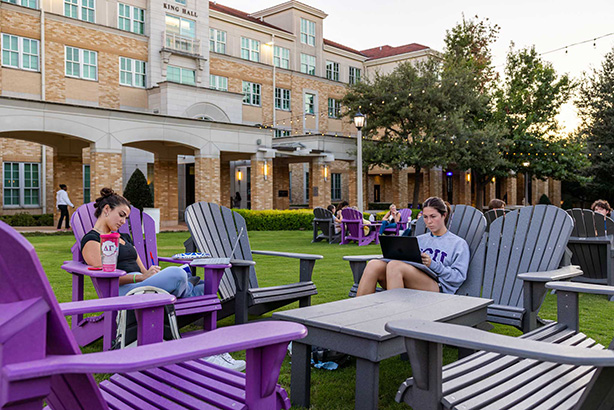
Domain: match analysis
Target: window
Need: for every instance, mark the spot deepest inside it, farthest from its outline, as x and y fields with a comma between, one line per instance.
x=180, y=26
x=81, y=63
x=282, y=133
x=80, y=9
x=250, y=49
x=335, y=187
x=86, y=184
x=181, y=75
x=21, y=184
x=132, y=72
x=332, y=70
x=251, y=92
x=354, y=75
x=308, y=32
x=334, y=108
x=281, y=57
x=310, y=100
x=307, y=186
x=181, y=2
x=218, y=82
x=19, y=52
x=217, y=41
x=290, y=185
x=308, y=64
x=131, y=18
x=282, y=99
x=26, y=3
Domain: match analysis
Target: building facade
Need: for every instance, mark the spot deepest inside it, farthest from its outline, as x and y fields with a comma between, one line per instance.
x=208, y=101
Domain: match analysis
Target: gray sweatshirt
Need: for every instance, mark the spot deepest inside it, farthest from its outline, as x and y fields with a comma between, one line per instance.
x=450, y=258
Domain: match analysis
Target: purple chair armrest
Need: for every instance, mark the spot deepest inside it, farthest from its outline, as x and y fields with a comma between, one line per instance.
x=171, y=260
x=227, y=339
x=117, y=303
x=82, y=269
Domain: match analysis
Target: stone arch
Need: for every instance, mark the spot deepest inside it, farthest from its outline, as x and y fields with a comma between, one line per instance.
x=207, y=111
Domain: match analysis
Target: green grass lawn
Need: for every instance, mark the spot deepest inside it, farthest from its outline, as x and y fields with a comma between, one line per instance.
x=332, y=275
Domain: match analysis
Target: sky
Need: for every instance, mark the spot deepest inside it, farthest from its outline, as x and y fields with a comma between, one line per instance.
x=547, y=24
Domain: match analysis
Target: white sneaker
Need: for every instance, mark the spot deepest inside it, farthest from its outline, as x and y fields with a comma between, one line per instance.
x=226, y=360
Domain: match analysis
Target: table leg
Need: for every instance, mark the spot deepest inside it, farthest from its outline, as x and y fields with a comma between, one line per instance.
x=367, y=384
x=300, y=374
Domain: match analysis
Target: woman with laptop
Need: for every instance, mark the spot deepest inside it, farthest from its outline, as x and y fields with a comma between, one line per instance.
x=444, y=255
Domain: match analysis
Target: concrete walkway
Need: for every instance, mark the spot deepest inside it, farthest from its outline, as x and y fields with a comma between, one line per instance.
x=51, y=230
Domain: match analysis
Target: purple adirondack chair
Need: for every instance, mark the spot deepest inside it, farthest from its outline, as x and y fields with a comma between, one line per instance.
x=142, y=230
x=402, y=224
x=352, y=228
x=40, y=359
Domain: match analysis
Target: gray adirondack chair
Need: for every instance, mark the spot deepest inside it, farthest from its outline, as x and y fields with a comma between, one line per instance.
x=493, y=214
x=214, y=229
x=465, y=221
x=40, y=359
x=141, y=228
x=553, y=367
x=592, y=246
x=324, y=220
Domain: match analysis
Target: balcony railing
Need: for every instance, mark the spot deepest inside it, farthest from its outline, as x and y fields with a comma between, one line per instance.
x=182, y=44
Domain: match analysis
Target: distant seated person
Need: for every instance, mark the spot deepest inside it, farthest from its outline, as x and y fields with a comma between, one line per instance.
x=601, y=206
x=391, y=219
x=337, y=221
x=340, y=207
x=444, y=253
x=496, y=204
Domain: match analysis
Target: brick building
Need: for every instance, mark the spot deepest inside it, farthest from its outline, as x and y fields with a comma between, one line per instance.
x=206, y=100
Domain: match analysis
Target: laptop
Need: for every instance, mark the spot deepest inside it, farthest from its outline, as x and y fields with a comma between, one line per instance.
x=404, y=248
x=219, y=261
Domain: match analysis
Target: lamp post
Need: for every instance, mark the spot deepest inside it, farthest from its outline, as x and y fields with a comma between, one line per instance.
x=359, y=122
x=526, y=182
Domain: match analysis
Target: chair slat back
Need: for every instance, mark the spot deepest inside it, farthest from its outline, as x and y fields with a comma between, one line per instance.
x=214, y=229
x=591, y=258
x=323, y=218
x=405, y=215
x=23, y=278
x=493, y=214
x=352, y=219
x=530, y=239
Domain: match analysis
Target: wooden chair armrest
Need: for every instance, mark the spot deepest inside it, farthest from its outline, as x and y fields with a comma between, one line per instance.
x=361, y=258
x=227, y=339
x=581, y=288
x=470, y=338
x=116, y=303
x=82, y=269
x=566, y=272
x=289, y=255
x=171, y=260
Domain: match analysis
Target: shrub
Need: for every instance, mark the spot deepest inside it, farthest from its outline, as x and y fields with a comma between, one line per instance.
x=23, y=219
x=544, y=200
x=45, y=220
x=277, y=220
x=376, y=206
x=137, y=191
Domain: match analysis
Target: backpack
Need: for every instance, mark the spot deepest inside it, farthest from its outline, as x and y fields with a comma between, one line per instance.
x=126, y=321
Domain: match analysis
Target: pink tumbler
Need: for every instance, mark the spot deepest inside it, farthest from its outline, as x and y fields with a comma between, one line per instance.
x=109, y=248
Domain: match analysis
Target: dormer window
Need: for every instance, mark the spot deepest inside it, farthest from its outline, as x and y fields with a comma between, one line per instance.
x=308, y=32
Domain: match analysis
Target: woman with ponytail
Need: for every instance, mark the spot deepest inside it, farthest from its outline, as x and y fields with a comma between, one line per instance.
x=111, y=213
x=444, y=253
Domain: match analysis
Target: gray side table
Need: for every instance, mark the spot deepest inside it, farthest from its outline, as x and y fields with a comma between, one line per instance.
x=356, y=327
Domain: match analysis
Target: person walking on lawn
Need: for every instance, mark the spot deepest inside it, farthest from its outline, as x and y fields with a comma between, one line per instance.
x=62, y=201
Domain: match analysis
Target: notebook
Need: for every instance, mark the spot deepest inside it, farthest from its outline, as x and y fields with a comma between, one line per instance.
x=219, y=261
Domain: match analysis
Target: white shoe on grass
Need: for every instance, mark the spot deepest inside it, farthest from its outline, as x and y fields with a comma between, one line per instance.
x=226, y=360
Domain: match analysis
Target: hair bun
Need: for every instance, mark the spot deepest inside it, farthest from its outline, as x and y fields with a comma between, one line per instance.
x=106, y=192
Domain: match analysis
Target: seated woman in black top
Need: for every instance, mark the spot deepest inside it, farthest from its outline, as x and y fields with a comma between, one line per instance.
x=112, y=211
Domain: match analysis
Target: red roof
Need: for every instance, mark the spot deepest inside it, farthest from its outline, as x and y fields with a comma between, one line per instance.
x=387, y=51
x=241, y=14
x=342, y=47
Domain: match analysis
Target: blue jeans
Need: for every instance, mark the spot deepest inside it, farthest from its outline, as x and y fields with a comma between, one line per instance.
x=386, y=224
x=173, y=279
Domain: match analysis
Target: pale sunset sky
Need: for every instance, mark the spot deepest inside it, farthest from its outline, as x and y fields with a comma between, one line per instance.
x=548, y=25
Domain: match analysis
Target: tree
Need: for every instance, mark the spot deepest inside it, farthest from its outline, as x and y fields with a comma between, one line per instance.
x=481, y=138
x=595, y=103
x=528, y=102
x=137, y=191
x=406, y=116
